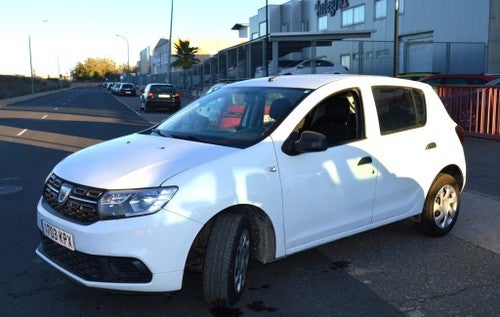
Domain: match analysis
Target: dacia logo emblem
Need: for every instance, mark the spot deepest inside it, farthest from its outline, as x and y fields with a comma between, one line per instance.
x=64, y=193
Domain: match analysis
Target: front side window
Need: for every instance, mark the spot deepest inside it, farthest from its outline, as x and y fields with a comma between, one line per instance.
x=399, y=108
x=232, y=116
x=338, y=117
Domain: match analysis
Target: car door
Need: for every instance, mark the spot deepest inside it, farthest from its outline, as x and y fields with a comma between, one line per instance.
x=407, y=151
x=326, y=194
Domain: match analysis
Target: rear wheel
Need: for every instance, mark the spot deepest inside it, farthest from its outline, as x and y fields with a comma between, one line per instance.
x=441, y=207
x=226, y=260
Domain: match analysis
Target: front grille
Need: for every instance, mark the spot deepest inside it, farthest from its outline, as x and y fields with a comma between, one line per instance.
x=80, y=204
x=96, y=268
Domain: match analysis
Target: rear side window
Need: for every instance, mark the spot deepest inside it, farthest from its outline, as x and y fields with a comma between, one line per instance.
x=399, y=108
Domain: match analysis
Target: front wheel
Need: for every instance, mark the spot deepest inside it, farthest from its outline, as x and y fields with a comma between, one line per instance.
x=226, y=260
x=441, y=207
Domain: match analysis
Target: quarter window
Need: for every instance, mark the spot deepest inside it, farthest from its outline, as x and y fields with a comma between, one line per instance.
x=399, y=108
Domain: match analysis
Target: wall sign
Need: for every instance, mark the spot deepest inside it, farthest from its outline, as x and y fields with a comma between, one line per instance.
x=330, y=6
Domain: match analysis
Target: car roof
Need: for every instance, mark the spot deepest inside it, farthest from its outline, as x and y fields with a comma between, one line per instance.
x=315, y=81
x=160, y=84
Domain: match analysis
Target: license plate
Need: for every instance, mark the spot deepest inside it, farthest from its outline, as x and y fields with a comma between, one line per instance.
x=163, y=96
x=58, y=236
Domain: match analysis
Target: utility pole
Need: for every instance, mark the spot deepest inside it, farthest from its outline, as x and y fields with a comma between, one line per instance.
x=266, y=41
x=396, y=38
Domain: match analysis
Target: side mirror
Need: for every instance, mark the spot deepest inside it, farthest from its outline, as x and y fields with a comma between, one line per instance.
x=308, y=141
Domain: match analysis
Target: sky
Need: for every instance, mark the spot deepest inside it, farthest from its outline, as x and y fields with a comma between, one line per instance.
x=65, y=32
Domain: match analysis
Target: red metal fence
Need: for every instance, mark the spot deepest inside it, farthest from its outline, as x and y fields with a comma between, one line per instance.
x=476, y=108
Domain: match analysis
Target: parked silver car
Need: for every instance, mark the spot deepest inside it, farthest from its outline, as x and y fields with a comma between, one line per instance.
x=322, y=67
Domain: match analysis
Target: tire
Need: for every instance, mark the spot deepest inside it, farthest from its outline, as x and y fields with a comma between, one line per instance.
x=226, y=260
x=441, y=207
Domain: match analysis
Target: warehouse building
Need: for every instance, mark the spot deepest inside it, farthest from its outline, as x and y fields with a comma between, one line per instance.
x=445, y=36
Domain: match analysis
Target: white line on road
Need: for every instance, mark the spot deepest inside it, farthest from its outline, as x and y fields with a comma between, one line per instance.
x=22, y=132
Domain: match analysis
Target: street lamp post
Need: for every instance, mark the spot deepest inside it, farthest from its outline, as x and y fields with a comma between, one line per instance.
x=128, y=52
x=31, y=67
x=169, y=73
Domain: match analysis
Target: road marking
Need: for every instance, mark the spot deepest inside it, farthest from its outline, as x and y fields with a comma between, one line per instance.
x=5, y=179
x=22, y=132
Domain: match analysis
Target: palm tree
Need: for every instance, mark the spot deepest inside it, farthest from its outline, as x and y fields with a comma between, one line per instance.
x=186, y=55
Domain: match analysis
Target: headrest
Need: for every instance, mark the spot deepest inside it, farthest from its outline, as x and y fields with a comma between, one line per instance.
x=279, y=108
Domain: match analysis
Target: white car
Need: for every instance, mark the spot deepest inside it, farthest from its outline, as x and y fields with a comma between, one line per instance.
x=322, y=67
x=260, y=169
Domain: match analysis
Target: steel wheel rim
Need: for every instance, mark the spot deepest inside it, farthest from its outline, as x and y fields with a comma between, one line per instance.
x=445, y=206
x=241, y=261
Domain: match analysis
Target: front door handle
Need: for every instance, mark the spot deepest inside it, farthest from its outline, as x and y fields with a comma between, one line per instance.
x=365, y=160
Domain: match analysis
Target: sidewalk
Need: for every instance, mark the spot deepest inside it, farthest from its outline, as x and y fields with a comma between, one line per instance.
x=479, y=221
x=8, y=101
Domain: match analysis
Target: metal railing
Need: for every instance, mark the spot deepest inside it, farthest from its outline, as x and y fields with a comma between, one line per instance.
x=476, y=108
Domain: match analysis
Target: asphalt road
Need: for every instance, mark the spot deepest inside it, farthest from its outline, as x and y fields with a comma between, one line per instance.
x=390, y=271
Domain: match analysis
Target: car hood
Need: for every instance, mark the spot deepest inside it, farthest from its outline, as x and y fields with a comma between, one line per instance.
x=136, y=161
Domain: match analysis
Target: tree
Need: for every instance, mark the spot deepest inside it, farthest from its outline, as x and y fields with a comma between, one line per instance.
x=186, y=55
x=94, y=69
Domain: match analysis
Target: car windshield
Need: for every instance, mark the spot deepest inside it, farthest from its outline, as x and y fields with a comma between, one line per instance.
x=233, y=116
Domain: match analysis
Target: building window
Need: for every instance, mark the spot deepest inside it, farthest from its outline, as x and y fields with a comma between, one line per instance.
x=353, y=16
x=401, y=6
x=304, y=26
x=323, y=23
x=262, y=29
x=382, y=54
x=285, y=27
x=380, y=9
x=345, y=60
x=255, y=35
x=357, y=56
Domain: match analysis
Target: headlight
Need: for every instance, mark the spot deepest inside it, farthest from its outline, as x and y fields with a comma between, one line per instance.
x=130, y=203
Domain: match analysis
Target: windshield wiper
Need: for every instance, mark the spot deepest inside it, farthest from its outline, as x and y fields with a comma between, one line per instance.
x=185, y=137
x=158, y=131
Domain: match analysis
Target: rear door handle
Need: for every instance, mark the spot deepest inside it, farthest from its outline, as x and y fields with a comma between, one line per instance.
x=365, y=160
x=431, y=145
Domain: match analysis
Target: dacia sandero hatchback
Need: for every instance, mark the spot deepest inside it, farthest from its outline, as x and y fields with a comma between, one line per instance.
x=307, y=160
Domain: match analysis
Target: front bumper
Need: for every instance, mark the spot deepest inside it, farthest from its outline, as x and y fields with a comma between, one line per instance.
x=145, y=254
